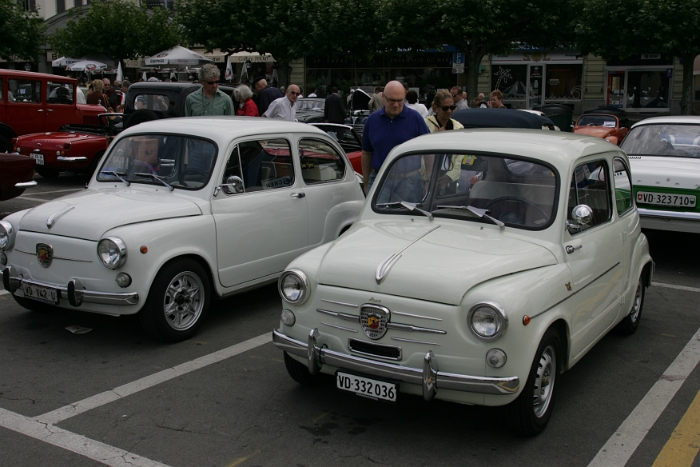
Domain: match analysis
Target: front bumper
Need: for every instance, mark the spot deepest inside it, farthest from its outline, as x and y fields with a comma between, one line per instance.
x=670, y=220
x=73, y=292
x=429, y=377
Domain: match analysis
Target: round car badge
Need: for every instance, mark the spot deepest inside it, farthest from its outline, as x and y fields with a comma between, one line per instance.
x=374, y=319
x=44, y=253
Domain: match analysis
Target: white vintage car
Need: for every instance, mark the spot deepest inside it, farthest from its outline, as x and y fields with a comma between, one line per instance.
x=480, y=294
x=664, y=155
x=180, y=211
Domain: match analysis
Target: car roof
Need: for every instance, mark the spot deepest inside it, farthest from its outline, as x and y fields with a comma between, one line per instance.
x=497, y=118
x=31, y=74
x=681, y=119
x=558, y=148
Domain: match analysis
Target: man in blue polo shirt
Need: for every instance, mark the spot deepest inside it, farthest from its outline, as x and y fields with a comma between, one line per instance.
x=390, y=126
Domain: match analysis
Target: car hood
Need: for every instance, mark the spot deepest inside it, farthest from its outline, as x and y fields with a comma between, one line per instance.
x=89, y=214
x=437, y=262
x=597, y=131
x=665, y=171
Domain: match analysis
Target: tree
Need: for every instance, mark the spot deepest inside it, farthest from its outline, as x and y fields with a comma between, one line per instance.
x=22, y=32
x=627, y=27
x=119, y=29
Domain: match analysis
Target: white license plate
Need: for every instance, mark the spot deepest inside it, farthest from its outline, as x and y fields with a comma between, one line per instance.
x=39, y=158
x=366, y=387
x=665, y=199
x=42, y=294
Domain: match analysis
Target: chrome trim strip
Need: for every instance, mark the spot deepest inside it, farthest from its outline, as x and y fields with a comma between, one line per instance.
x=689, y=216
x=25, y=184
x=342, y=328
x=54, y=217
x=56, y=257
x=71, y=159
x=565, y=299
x=360, y=352
x=413, y=341
x=352, y=305
x=393, y=371
x=337, y=314
x=386, y=265
x=411, y=328
x=88, y=296
x=415, y=316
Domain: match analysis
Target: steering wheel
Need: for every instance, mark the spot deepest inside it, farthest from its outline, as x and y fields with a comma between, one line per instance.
x=519, y=200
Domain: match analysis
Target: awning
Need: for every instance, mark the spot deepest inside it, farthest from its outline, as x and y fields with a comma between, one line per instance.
x=255, y=57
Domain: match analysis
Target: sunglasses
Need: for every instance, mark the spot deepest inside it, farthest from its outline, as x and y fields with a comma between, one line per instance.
x=394, y=101
x=448, y=107
x=211, y=83
x=294, y=93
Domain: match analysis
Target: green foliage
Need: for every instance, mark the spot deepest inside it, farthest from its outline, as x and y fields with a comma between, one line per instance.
x=22, y=32
x=117, y=28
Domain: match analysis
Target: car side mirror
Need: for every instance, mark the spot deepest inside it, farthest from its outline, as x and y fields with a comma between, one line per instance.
x=233, y=185
x=581, y=216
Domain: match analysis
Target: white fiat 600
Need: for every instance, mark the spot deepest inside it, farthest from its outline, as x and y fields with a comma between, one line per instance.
x=180, y=211
x=484, y=263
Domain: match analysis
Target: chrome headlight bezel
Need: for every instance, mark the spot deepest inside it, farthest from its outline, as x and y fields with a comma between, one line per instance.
x=498, y=315
x=301, y=281
x=7, y=236
x=119, y=246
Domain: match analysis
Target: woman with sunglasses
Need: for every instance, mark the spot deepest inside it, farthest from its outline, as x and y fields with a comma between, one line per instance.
x=443, y=106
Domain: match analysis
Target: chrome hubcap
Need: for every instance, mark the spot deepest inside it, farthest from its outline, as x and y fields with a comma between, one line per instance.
x=544, y=381
x=637, y=304
x=183, y=301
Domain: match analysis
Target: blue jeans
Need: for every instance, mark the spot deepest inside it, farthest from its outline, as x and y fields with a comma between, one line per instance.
x=399, y=188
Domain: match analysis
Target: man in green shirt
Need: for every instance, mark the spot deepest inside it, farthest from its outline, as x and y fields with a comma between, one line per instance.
x=208, y=100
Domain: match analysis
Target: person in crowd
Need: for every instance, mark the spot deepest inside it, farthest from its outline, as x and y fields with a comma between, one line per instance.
x=480, y=101
x=116, y=97
x=246, y=104
x=107, y=87
x=334, y=111
x=96, y=96
x=390, y=126
x=284, y=108
x=125, y=87
x=208, y=100
x=376, y=103
x=496, y=101
x=443, y=106
x=266, y=93
x=412, y=103
x=312, y=92
x=459, y=100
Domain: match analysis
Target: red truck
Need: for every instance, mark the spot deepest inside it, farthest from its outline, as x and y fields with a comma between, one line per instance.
x=37, y=102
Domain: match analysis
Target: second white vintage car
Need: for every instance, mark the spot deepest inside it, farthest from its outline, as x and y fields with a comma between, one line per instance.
x=480, y=295
x=178, y=212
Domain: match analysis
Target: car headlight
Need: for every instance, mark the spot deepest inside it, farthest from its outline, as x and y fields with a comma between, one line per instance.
x=487, y=320
x=7, y=235
x=293, y=286
x=112, y=252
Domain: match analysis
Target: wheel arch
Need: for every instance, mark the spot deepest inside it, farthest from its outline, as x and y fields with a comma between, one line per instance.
x=199, y=260
x=562, y=329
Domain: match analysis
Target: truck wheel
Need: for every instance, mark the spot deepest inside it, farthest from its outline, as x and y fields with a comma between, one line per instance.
x=177, y=302
x=5, y=145
x=47, y=173
x=300, y=373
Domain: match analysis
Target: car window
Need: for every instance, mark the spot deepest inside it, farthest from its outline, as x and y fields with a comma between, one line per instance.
x=344, y=136
x=25, y=91
x=675, y=140
x=320, y=162
x=589, y=186
x=154, y=102
x=266, y=164
x=59, y=93
x=623, y=186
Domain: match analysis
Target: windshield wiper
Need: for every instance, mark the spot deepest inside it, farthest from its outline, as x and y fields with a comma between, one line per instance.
x=409, y=206
x=476, y=211
x=116, y=174
x=155, y=177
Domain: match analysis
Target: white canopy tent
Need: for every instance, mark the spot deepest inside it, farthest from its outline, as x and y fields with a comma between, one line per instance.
x=65, y=61
x=88, y=66
x=178, y=56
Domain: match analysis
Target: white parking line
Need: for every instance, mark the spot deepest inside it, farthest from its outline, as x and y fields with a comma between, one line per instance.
x=3, y=292
x=100, y=452
x=622, y=444
x=106, y=397
x=677, y=287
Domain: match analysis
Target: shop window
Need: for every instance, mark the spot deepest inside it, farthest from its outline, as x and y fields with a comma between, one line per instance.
x=511, y=80
x=60, y=6
x=647, y=89
x=563, y=81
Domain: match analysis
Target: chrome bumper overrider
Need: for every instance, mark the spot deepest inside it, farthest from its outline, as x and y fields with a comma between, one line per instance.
x=73, y=292
x=688, y=216
x=429, y=377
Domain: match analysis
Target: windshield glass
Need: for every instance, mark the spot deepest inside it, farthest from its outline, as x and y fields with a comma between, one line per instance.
x=664, y=140
x=310, y=104
x=517, y=192
x=181, y=161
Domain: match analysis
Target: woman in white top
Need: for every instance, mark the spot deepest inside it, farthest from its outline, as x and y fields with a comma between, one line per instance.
x=412, y=103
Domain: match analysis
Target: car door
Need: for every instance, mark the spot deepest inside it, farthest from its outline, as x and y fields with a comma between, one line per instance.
x=594, y=254
x=628, y=222
x=25, y=110
x=262, y=223
x=60, y=104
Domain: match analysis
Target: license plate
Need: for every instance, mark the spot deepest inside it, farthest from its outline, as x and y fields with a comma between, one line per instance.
x=42, y=294
x=664, y=199
x=366, y=387
x=39, y=158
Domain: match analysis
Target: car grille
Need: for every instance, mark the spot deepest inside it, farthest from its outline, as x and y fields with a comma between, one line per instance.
x=374, y=350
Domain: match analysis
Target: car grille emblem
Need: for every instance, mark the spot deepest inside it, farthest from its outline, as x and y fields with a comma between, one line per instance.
x=374, y=319
x=44, y=253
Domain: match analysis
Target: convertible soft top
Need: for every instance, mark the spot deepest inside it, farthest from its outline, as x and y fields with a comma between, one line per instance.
x=497, y=118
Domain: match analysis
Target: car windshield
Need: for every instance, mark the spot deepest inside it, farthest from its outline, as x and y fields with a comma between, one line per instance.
x=310, y=104
x=597, y=120
x=182, y=162
x=674, y=140
x=510, y=191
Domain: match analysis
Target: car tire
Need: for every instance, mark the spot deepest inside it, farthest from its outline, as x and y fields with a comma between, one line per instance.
x=300, y=372
x=178, y=301
x=93, y=164
x=529, y=414
x=5, y=145
x=33, y=305
x=140, y=116
x=629, y=324
x=47, y=173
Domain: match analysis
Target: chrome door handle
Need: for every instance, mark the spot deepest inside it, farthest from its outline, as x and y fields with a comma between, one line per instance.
x=40, y=110
x=570, y=249
x=298, y=195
